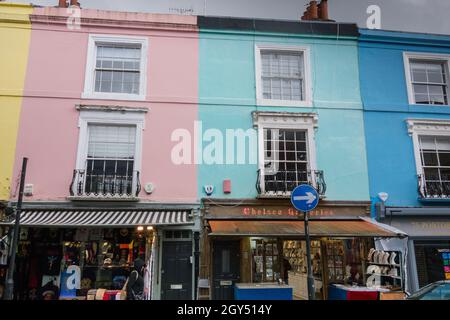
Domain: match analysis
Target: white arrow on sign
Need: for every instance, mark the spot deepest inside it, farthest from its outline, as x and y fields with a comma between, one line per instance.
x=309, y=197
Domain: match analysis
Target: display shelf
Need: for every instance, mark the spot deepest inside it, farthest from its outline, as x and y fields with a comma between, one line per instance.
x=384, y=275
x=383, y=264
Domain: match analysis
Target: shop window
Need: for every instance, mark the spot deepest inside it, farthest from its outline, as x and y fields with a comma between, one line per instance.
x=104, y=257
x=265, y=262
x=335, y=259
x=433, y=261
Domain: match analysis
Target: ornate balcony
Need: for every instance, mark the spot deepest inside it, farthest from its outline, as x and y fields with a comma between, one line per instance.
x=433, y=190
x=281, y=183
x=104, y=186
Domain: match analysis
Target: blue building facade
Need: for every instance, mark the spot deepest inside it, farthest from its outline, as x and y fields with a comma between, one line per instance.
x=404, y=89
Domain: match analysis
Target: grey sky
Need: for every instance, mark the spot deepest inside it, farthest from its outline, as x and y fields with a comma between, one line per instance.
x=430, y=16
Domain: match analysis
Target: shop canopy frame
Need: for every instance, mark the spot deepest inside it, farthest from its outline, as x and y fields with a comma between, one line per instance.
x=339, y=228
x=95, y=218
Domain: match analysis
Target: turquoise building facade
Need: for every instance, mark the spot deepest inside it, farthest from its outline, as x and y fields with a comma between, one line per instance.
x=228, y=96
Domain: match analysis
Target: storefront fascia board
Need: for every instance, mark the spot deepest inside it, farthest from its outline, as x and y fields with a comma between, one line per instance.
x=281, y=209
x=417, y=211
x=422, y=227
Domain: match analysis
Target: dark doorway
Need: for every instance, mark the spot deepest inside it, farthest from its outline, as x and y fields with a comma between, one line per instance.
x=226, y=268
x=176, y=271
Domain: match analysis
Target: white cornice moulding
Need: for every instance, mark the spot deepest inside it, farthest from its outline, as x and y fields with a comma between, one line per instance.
x=430, y=125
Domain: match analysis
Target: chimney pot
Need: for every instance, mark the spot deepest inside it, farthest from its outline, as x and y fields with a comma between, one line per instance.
x=62, y=4
x=74, y=3
x=323, y=10
x=313, y=10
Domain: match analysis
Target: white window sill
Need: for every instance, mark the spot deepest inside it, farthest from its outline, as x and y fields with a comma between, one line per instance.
x=112, y=96
x=283, y=103
x=428, y=105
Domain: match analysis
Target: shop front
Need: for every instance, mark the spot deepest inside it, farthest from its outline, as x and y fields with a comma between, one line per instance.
x=428, y=245
x=89, y=253
x=256, y=249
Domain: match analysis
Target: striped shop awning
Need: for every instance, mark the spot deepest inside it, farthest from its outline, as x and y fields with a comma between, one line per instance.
x=101, y=218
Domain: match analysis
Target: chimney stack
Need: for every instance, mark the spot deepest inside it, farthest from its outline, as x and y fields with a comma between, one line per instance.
x=62, y=4
x=318, y=12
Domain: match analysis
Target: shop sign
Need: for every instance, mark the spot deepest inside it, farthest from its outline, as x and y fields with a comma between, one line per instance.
x=283, y=212
x=304, y=198
x=423, y=226
x=70, y=281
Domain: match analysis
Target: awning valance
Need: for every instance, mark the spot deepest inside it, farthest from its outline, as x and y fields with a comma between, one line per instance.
x=292, y=228
x=116, y=218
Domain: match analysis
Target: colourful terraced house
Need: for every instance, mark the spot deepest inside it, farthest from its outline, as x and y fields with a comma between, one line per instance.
x=405, y=91
x=284, y=98
x=104, y=91
x=15, y=32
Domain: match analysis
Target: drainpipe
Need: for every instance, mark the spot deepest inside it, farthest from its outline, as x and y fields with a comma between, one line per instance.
x=196, y=262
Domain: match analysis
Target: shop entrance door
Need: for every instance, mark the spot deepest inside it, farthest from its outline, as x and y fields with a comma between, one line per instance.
x=176, y=273
x=226, y=268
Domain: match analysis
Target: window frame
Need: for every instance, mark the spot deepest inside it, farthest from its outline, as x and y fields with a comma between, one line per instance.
x=97, y=117
x=260, y=100
x=89, y=81
x=425, y=127
x=407, y=57
x=296, y=121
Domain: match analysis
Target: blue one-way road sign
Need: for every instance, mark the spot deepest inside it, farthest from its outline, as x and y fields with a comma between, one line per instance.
x=304, y=198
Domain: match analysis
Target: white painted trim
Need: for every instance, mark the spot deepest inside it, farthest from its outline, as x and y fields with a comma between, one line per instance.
x=89, y=80
x=425, y=127
x=107, y=117
x=307, y=69
x=285, y=120
x=407, y=56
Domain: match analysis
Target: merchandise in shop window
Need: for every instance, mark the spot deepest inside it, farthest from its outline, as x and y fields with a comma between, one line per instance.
x=51, y=261
x=384, y=269
x=23, y=235
x=446, y=262
x=82, y=234
x=3, y=253
x=95, y=234
x=123, y=236
x=69, y=234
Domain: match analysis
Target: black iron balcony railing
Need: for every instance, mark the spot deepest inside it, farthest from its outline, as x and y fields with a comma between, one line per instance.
x=282, y=183
x=433, y=189
x=104, y=185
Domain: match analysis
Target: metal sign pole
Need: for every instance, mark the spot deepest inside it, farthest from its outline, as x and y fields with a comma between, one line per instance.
x=305, y=198
x=310, y=278
x=9, y=290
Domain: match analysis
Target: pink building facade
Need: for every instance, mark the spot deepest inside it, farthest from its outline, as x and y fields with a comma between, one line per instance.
x=104, y=92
